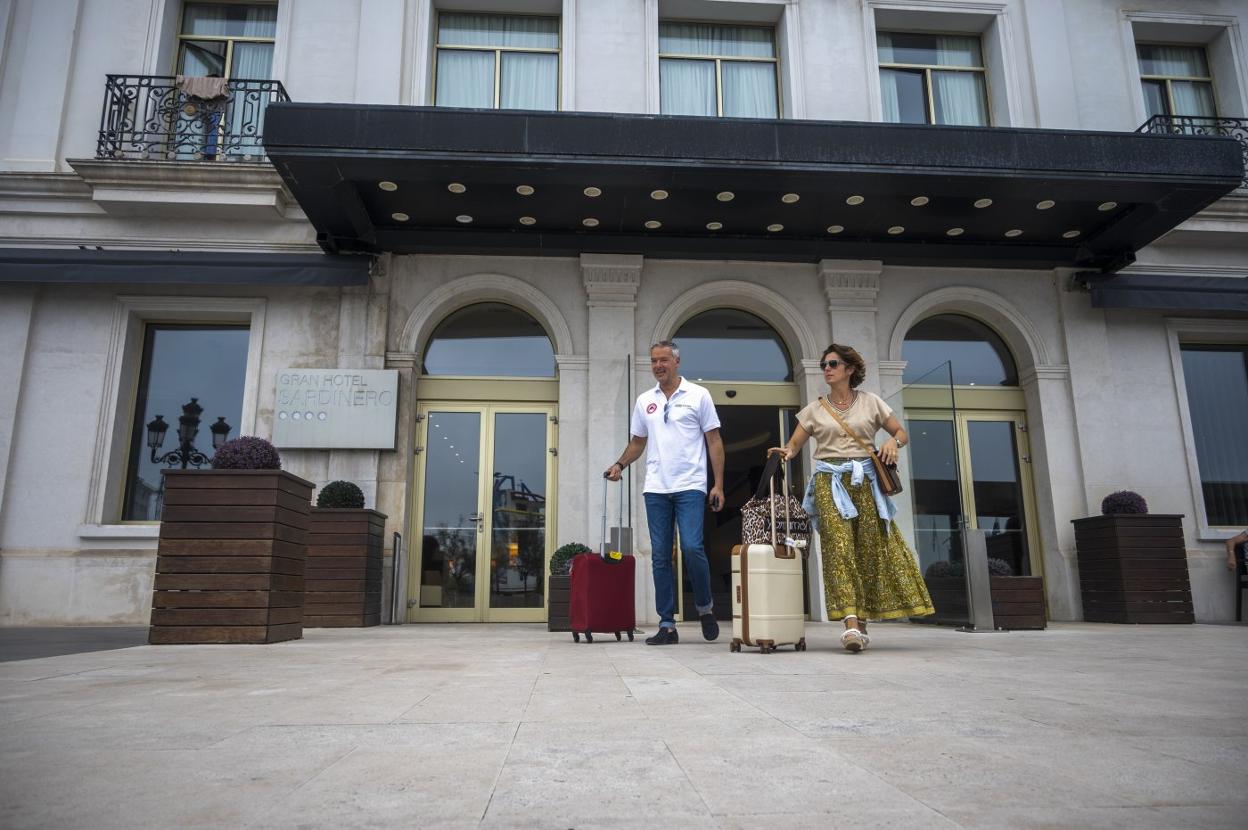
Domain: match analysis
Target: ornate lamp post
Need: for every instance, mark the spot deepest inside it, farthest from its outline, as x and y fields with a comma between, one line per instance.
x=188, y=428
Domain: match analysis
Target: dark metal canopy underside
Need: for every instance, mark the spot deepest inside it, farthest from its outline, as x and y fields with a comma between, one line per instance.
x=1111, y=193
x=93, y=265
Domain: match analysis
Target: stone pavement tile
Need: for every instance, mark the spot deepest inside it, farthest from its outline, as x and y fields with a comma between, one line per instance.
x=560, y=782
x=106, y=788
x=1206, y=818
x=1134, y=716
x=843, y=815
x=1058, y=817
x=583, y=706
x=416, y=786
x=1225, y=753
x=447, y=737
x=694, y=699
x=453, y=703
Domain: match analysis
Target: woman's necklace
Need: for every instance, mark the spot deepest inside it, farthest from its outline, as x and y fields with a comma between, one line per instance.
x=843, y=405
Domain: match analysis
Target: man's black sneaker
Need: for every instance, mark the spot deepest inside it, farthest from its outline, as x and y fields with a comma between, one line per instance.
x=665, y=637
x=710, y=626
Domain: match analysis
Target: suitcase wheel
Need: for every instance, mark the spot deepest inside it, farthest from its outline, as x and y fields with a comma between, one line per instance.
x=618, y=637
x=589, y=638
x=734, y=646
x=576, y=638
x=800, y=645
x=630, y=636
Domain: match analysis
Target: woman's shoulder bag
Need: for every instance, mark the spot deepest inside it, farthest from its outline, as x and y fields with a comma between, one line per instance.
x=885, y=474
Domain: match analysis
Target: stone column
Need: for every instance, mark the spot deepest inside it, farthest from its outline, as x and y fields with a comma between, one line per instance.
x=851, y=286
x=16, y=316
x=611, y=282
x=396, y=474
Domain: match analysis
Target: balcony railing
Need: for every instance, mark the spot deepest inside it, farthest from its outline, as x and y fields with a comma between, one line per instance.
x=1202, y=125
x=153, y=117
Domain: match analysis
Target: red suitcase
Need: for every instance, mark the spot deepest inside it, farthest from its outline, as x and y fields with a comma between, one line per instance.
x=602, y=597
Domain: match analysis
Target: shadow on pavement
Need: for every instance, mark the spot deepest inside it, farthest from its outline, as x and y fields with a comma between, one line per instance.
x=19, y=643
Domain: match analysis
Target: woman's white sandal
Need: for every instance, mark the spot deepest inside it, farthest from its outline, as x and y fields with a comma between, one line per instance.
x=853, y=640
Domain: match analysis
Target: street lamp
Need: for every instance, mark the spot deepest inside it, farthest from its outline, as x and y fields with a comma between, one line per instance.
x=188, y=428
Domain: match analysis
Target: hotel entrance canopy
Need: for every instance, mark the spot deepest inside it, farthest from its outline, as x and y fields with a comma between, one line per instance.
x=432, y=180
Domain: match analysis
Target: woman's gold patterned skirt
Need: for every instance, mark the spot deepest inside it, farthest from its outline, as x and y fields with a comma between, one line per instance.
x=868, y=571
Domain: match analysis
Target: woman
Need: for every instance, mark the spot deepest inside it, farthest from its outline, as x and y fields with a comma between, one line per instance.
x=868, y=570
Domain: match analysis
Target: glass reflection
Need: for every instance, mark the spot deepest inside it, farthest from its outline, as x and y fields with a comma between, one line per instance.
x=490, y=340
x=729, y=344
x=937, y=500
x=518, y=543
x=451, y=522
x=1216, y=378
x=977, y=354
x=180, y=363
x=998, y=492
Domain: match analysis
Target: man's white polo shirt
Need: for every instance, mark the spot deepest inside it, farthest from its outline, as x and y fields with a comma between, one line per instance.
x=675, y=432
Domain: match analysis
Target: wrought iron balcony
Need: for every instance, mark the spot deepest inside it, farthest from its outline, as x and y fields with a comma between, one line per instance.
x=154, y=117
x=1201, y=125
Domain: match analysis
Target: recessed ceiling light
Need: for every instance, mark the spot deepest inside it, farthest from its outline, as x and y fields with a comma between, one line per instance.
x=658, y=195
x=954, y=232
x=1013, y=232
x=896, y=229
x=525, y=189
x=775, y=228
x=855, y=200
x=919, y=201
x=1103, y=206
x=592, y=192
x=835, y=228
x=790, y=198
x=456, y=187
x=1045, y=205
x=400, y=217
x=714, y=226
x=725, y=196
x=463, y=219
x=527, y=220
x=589, y=222
x=391, y=186
x=983, y=203
x=654, y=224
x=1071, y=234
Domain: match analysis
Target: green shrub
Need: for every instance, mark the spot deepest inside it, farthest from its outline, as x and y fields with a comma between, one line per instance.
x=340, y=494
x=561, y=560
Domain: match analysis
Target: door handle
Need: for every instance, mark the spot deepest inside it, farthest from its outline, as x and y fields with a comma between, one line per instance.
x=479, y=519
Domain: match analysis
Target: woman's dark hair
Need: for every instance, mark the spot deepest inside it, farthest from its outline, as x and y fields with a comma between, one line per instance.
x=850, y=355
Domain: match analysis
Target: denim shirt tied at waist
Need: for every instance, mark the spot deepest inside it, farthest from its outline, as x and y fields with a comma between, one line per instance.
x=844, y=505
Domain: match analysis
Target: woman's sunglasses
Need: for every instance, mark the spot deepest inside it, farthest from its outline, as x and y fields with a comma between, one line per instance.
x=830, y=364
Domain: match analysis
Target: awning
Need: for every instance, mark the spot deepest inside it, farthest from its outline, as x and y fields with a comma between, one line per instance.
x=91, y=265
x=1171, y=292
x=436, y=180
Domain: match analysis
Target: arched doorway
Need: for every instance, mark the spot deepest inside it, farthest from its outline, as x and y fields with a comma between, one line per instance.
x=747, y=367
x=484, y=494
x=970, y=456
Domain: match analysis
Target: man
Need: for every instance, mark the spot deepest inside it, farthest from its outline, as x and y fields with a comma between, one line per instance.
x=681, y=419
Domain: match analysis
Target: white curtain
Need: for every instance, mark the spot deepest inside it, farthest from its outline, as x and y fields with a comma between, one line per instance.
x=222, y=20
x=530, y=81
x=456, y=29
x=1173, y=61
x=956, y=50
x=903, y=96
x=687, y=87
x=718, y=41
x=465, y=79
x=960, y=98
x=252, y=61
x=749, y=89
x=1193, y=98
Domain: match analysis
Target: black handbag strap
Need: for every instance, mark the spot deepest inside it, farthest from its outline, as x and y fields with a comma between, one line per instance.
x=769, y=473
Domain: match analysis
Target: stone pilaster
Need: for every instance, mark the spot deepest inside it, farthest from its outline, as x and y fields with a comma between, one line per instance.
x=851, y=286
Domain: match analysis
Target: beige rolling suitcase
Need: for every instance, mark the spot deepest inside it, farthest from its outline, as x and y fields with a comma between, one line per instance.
x=767, y=607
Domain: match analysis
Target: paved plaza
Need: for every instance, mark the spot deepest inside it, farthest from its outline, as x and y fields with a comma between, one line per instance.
x=1089, y=726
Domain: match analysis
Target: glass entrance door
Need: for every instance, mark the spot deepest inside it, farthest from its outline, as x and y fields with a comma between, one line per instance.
x=484, y=502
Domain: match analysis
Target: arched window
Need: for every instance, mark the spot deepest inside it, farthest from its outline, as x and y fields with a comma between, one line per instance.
x=490, y=340
x=977, y=354
x=729, y=344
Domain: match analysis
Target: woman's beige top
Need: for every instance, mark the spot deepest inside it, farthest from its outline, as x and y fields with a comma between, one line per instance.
x=865, y=416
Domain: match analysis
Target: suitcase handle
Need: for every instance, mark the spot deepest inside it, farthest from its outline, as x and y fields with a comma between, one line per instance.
x=603, y=549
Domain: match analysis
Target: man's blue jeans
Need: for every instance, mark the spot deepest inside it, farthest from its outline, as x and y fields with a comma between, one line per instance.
x=684, y=510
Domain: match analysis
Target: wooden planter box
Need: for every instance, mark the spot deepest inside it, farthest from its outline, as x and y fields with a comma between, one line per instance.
x=230, y=561
x=1017, y=601
x=342, y=585
x=1133, y=569
x=558, y=604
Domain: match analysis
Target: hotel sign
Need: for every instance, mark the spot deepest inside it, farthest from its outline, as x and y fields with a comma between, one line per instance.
x=336, y=408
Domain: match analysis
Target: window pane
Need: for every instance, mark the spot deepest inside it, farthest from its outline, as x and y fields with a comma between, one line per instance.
x=498, y=30
x=1173, y=61
x=518, y=543
x=1217, y=398
x=929, y=50
x=229, y=20
x=749, y=89
x=1193, y=98
x=490, y=340
x=465, y=79
x=180, y=363
x=978, y=356
x=905, y=101
x=252, y=61
x=727, y=344
x=530, y=81
x=687, y=87
x=960, y=98
x=1155, y=98
x=716, y=41
x=997, y=485
x=202, y=58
